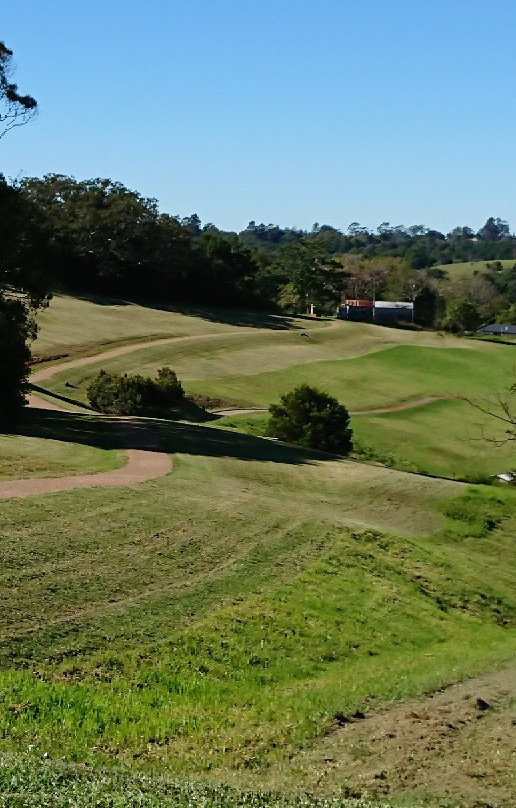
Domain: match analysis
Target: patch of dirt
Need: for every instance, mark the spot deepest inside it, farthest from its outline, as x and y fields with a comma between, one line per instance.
x=457, y=744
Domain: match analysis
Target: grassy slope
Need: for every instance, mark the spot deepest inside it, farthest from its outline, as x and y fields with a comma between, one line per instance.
x=465, y=268
x=254, y=368
x=184, y=623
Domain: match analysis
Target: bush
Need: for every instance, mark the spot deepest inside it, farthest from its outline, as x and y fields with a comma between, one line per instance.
x=135, y=395
x=308, y=417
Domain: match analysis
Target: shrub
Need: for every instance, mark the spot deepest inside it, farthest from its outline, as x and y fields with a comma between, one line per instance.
x=309, y=417
x=135, y=395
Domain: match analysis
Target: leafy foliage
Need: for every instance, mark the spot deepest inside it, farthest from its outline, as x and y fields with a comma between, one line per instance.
x=135, y=394
x=460, y=316
x=15, y=330
x=309, y=417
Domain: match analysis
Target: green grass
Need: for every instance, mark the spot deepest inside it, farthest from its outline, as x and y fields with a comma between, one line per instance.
x=220, y=617
x=467, y=268
x=213, y=622
x=27, y=782
x=444, y=438
x=41, y=448
x=379, y=379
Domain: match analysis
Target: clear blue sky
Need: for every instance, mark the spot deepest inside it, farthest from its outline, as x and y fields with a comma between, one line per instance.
x=284, y=111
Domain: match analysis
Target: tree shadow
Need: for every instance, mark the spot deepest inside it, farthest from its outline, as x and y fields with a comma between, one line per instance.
x=36, y=389
x=252, y=318
x=90, y=430
x=153, y=434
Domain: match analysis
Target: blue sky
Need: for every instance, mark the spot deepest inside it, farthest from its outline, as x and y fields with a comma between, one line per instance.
x=282, y=111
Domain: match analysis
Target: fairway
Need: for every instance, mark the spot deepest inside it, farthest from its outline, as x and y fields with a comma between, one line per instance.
x=365, y=366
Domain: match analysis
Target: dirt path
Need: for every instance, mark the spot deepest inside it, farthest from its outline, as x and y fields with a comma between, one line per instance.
x=457, y=744
x=406, y=405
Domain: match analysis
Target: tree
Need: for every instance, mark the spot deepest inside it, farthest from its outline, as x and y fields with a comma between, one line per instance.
x=494, y=230
x=460, y=316
x=501, y=409
x=16, y=329
x=21, y=287
x=309, y=275
x=15, y=109
x=309, y=417
x=135, y=394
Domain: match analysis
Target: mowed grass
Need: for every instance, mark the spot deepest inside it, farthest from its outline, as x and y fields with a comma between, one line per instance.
x=75, y=326
x=465, y=269
x=41, y=447
x=380, y=379
x=221, y=617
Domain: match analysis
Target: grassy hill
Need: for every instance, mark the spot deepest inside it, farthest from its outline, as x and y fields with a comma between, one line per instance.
x=186, y=624
x=84, y=326
x=367, y=367
x=215, y=624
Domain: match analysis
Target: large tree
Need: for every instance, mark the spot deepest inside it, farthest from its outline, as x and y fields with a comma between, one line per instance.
x=309, y=275
x=21, y=285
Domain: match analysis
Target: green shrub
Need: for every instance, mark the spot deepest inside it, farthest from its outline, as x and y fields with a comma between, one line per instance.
x=308, y=417
x=135, y=395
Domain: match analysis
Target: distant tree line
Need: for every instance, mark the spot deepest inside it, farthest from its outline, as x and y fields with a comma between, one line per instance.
x=100, y=237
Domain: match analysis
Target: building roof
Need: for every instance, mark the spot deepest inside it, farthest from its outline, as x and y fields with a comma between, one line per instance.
x=498, y=328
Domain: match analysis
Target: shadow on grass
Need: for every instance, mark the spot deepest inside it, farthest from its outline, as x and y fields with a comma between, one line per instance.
x=158, y=435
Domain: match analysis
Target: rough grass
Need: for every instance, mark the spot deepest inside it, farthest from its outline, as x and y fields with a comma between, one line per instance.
x=28, y=782
x=222, y=616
